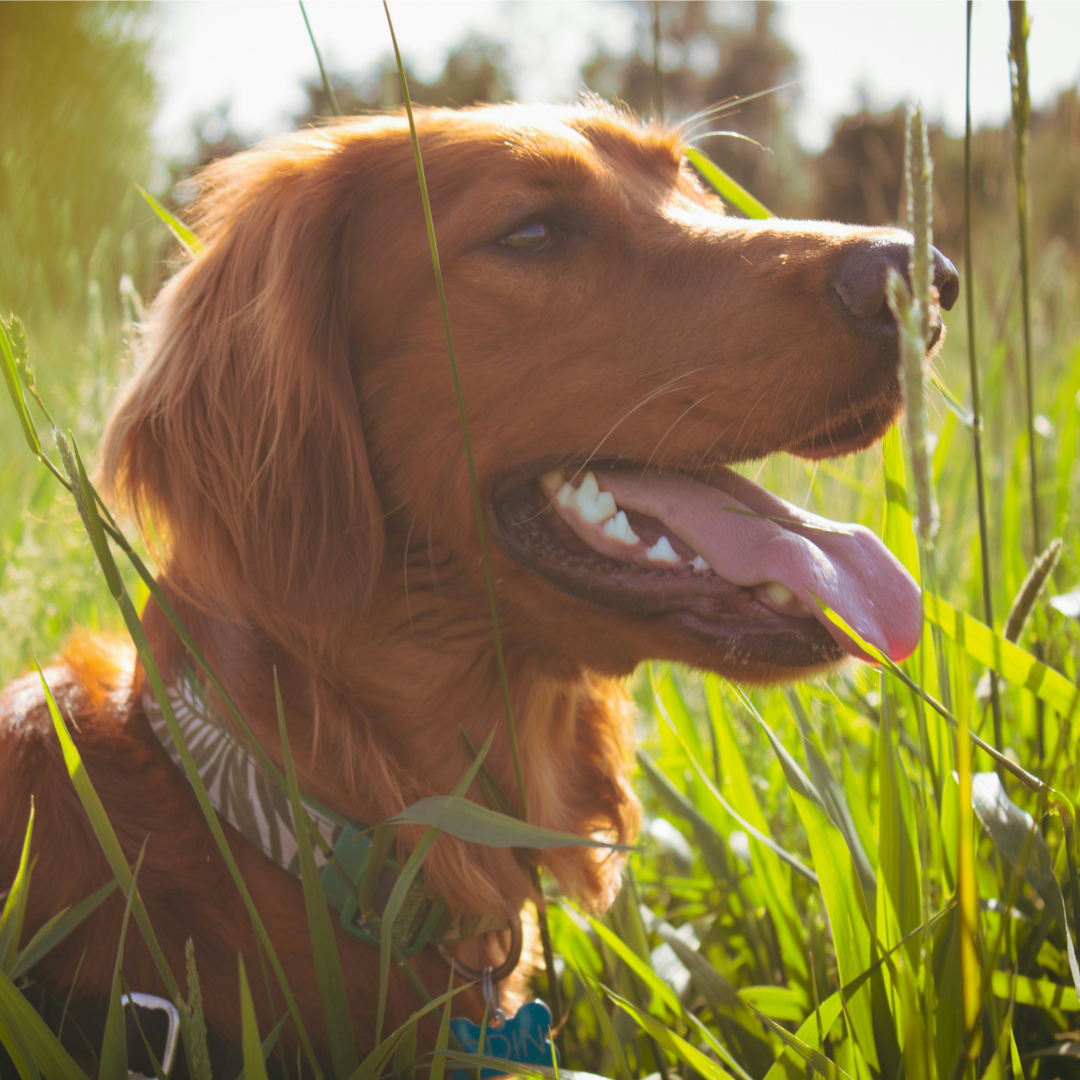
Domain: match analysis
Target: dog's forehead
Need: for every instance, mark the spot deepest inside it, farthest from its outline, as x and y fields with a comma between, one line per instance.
x=567, y=143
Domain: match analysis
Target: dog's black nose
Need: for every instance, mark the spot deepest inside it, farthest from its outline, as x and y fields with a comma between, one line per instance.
x=862, y=273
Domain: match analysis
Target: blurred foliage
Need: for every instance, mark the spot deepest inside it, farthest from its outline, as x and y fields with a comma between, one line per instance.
x=76, y=101
x=711, y=54
x=475, y=72
x=859, y=174
x=77, y=98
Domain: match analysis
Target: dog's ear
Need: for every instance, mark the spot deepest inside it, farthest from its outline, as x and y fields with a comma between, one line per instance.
x=240, y=436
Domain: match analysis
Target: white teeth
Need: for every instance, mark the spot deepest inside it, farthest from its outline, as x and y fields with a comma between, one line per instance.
x=700, y=565
x=618, y=528
x=778, y=594
x=593, y=504
x=552, y=481
x=662, y=551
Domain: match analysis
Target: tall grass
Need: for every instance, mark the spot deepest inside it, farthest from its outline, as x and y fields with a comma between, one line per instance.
x=833, y=879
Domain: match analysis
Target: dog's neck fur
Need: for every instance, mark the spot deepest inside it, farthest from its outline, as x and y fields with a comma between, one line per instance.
x=377, y=725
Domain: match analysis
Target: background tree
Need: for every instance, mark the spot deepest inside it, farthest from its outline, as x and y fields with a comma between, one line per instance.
x=711, y=54
x=475, y=72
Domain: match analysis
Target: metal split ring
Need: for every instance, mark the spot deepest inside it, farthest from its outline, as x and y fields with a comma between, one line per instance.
x=496, y=975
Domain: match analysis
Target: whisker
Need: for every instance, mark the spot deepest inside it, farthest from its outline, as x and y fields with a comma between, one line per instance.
x=675, y=422
x=663, y=388
x=435, y=584
x=710, y=112
x=405, y=567
x=730, y=135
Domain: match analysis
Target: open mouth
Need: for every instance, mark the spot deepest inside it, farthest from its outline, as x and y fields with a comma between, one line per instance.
x=723, y=558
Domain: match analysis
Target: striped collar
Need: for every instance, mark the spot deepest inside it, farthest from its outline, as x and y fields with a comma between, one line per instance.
x=253, y=804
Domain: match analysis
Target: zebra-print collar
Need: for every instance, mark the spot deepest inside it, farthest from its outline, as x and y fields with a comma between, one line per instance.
x=253, y=804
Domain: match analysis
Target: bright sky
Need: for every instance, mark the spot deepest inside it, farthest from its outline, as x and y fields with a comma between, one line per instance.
x=256, y=53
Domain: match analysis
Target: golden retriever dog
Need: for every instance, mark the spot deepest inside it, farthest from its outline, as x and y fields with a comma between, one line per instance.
x=292, y=435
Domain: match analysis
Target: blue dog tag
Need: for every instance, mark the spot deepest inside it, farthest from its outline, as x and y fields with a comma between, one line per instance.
x=524, y=1038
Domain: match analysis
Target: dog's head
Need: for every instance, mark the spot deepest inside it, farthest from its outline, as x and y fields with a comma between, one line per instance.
x=620, y=343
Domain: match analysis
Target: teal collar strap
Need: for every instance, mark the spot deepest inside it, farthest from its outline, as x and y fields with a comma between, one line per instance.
x=259, y=810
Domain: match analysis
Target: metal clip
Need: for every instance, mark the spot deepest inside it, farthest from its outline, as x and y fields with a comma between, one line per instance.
x=506, y=968
x=149, y=1001
x=492, y=1005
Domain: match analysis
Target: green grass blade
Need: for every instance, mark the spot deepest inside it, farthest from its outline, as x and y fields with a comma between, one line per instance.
x=328, y=973
x=726, y=187
x=1042, y=993
x=188, y=240
x=858, y=802
x=719, y=994
x=193, y=1020
x=88, y=508
x=967, y=889
x=976, y=404
x=11, y=377
x=814, y=1058
x=251, y=1045
x=675, y=1044
x=382, y=840
x=898, y=850
x=603, y=1019
x=503, y=1066
x=669, y=703
x=752, y=830
x=21, y=1027
x=711, y=845
x=401, y=887
x=371, y=1066
x=473, y=483
x=477, y=824
x=640, y=967
x=13, y=1040
x=1057, y=800
x=841, y=889
x=831, y=1008
x=1017, y=665
x=113, y=1064
x=1019, y=27
x=956, y=406
x=832, y=792
x=779, y=1002
x=442, y=1040
x=106, y=837
x=11, y=918
x=493, y=792
x=405, y=1053
x=57, y=928
x=771, y=870
x=327, y=88
x=268, y=1043
x=1019, y=839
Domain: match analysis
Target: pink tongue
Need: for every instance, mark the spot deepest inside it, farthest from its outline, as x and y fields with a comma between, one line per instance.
x=847, y=566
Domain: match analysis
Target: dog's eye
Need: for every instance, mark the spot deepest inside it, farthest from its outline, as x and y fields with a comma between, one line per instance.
x=537, y=236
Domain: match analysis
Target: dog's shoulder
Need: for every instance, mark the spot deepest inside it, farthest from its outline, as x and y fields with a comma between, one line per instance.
x=91, y=686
